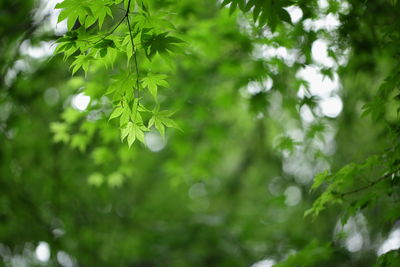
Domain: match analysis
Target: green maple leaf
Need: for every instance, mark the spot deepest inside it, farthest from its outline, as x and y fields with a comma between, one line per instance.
x=133, y=131
x=81, y=61
x=116, y=112
x=161, y=119
x=86, y=11
x=67, y=44
x=160, y=43
x=152, y=81
x=73, y=10
x=60, y=131
x=319, y=179
x=123, y=85
x=100, y=11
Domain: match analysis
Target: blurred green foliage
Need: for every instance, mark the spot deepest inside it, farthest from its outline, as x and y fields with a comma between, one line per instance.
x=268, y=133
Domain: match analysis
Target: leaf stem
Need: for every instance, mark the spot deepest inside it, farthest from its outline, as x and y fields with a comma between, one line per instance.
x=134, y=58
x=380, y=179
x=118, y=24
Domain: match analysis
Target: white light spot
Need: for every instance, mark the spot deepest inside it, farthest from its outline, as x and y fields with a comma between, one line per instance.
x=354, y=242
x=268, y=83
x=392, y=243
x=64, y=259
x=329, y=23
x=306, y=114
x=332, y=106
x=295, y=13
x=293, y=195
x=318, y=84
x=323, y=4
x=281, y=52
x=354, y=234
x=320, y=53
x=264, y=263
x=58, y=232
x=308, y=24
x=60, y=28
x=154, y=141
x=42, y=50
x=21, y=65
x=254, y=88
x=47, y=15
x=80, y=101
x=345, y=7
x=43, y=251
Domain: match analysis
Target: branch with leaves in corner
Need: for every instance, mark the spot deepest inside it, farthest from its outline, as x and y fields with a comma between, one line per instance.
x=338, y=185
x=92, y=49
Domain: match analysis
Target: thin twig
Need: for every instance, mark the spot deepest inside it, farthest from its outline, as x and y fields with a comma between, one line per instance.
x=116, y=26
x=380, y=179
x=134, y=55
x=134, y=58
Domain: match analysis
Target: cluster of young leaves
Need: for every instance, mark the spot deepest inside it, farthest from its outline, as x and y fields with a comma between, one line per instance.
x=390, y=259
x=140, y=35
x=87, y=12
x=114, y=179
x=353, y=186
x=378, y=107
x=382, y=107
x=266, y=12
x=63, y=131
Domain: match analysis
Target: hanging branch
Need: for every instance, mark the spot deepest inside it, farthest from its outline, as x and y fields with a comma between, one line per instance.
x=137, y=93
x=126, y=16
x=134, y=52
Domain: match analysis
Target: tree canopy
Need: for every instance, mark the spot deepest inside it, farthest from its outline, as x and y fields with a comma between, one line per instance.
x=199, y=133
